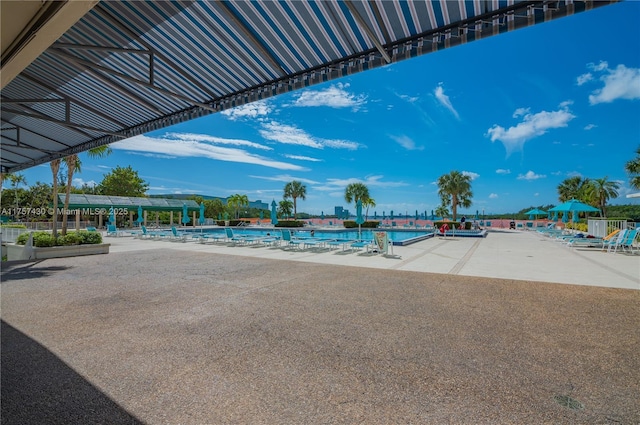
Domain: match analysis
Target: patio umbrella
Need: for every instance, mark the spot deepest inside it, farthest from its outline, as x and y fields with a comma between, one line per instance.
x=565, y=217
x=112, y=216
x=477, y=215
x=535, y=212
x=274, y=214
x=139, y=220
x=261, y=214
x=555, y=216
x=185, y=214
x=359, y=218
x=322, y=215
x=201, y=217
x=574, y=205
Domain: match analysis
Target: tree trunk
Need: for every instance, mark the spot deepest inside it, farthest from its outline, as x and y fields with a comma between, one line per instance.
x=55, y=167
x=71, y=166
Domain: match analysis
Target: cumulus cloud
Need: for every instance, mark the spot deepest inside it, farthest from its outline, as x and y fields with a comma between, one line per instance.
x=77, y=181
x=197, y=148
x=470, y=174
x=493, y=196
x=334, y=96
x=584, y=78
x=255, y=109
x=590, y=126
x=407, y=143
x=291, y=135
x=444, y=100
x=530, y=175
x=501, y=171
x=337, y=184
x=618, y=83
x=532, y=125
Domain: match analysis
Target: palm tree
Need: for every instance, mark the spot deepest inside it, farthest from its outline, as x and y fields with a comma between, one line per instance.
x=236, y=201
x=442, y=211
x=73, y=164
x=284, y=207
x=633, y=168
x=55, y=168
x=573, y=188
x=294, y=190
x=356, y=192
x=369, y=202
x=602, y=190
x=455, y=189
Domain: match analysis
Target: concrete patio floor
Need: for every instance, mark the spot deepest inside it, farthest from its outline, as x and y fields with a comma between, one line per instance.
x=465, y=331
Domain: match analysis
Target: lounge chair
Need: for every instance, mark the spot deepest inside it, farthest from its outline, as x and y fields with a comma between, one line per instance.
x=625, y=242
x=177, y=236
x=112, y=230
x=232, y=237
x=289, y=240
x=381, y=243
x=615, y=242
x=360, y=245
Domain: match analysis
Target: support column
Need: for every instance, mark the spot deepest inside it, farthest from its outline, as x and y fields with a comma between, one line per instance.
x=171, y=218
x=194, y=219
x=144, y=214
x=78, y=219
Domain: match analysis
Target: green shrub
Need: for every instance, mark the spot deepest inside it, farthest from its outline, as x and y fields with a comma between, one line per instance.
x=43, y=239
x=89, y=237
x=290, y=223
x=70, y=238
x=14, y=226
x=349, y=224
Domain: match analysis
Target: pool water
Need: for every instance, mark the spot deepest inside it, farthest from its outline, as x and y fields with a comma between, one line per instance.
x=404, y=237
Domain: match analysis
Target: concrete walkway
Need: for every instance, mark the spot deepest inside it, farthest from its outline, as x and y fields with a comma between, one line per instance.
x=517, y=255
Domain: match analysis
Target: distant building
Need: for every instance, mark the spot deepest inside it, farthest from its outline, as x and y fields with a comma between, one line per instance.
x=341, y=212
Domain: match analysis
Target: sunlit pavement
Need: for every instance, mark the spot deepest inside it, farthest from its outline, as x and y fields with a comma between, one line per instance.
x=518, y=255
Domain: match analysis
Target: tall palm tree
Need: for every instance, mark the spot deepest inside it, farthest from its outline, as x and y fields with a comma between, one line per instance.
x=369, y=202
x=236, y=201
x=73, y=165
x=295, y=190
x=602, y=190
x=573, y=188
x=16, y=180
x=55, y=168
x=442, y=211
x=455, y=189
x=355, y=192
x=633, y=168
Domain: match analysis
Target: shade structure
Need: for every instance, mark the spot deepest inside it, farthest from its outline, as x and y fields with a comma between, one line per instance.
x=535, y=212
x=185, y=214
x=574, y=205
x=274, y=214
x=201, y=216
x=140, y=219
x=565, y=217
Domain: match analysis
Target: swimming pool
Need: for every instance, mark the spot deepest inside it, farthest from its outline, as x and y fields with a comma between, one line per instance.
x=399, y=237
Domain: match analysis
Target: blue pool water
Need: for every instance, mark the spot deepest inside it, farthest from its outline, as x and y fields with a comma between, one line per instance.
x=399, y=237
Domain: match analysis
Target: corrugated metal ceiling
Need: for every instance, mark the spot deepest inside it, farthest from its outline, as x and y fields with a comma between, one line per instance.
x=130, y=67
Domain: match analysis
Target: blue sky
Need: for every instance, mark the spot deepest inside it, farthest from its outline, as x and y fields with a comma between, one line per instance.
x=519, y=113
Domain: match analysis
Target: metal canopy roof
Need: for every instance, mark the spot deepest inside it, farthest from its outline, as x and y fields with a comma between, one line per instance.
x=130, y=67
x=131, y=203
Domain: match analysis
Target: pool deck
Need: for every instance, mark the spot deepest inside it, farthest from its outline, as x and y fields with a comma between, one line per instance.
x=508, y=329
x=505, y=254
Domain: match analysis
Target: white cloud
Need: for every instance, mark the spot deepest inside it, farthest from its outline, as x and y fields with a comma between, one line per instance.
x=590, y=126
x=501, y=171
x=493, y=196
x=470, y=174
x=333, y=184
x=444, y=100
x=285, y=178
x=406, y=142
x=77, y=181
x=532, y=125
x=192, y=137
x=619, y=83
x=520, y=112
x=530, y=175
x=303, y=158
x=198, y=149
x=290, y=135
x=599, y=67
x=255, y=109
x=410, y=99
x=334, y=96
x=584, y=78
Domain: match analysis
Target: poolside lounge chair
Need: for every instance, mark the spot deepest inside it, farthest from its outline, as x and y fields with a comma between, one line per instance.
x=112, y=230
x=615, y=242
x=232, y=237
x=177, y=236
x=360, y=245
x=289, y=240
x=625, y=242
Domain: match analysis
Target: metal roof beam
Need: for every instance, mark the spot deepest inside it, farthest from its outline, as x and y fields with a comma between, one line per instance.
x=368, y=31
x=134, y=37
x=73, y=126
x=39, y=135
x=74, y=101
x=95, y=68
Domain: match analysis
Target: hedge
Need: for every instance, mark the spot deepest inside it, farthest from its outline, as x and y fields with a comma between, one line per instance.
x=290, y=223
x=349, y=224
x=46, y=239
